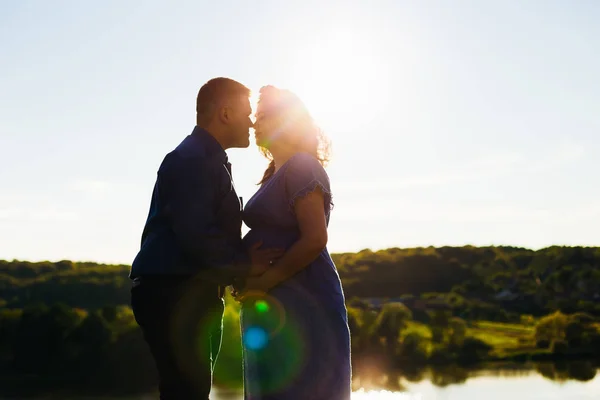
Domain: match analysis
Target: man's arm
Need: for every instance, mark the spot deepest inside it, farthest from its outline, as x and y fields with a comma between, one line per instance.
x=189, y=188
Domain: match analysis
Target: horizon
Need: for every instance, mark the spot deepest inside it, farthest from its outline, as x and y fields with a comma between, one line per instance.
x=451, y=125
x=333, y=253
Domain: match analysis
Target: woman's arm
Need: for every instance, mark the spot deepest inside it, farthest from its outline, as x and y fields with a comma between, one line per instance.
x=313, y=239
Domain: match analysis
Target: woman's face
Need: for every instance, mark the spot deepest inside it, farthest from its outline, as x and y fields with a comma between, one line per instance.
x=267, y=126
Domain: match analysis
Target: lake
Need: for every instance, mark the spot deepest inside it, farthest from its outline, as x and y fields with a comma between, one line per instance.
x=491, y=384
x=568, y=381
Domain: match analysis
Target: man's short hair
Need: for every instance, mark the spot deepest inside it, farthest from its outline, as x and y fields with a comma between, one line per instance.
x=214, y=93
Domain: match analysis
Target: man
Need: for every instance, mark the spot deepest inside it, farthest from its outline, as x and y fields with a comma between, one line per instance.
x=191, y=245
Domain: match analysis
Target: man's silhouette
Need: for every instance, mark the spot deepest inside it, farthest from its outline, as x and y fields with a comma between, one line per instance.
x=191, y=245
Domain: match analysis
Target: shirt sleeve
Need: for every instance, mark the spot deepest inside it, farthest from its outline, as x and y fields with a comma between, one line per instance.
x=303, y=176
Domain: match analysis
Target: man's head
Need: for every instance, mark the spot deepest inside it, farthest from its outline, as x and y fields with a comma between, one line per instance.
x=223, y=109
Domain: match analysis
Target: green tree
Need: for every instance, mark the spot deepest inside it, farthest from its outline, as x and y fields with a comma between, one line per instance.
x=414, y=348
x=40, y=341
x=367, y=339
x=439, y=323
x=90, y=341
x=458, y=331
x=391, y=321
x=551, y=327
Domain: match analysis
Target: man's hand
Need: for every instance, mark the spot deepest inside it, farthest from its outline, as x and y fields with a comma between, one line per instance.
x=258, y=286
x=262, y=259
x=255, y=287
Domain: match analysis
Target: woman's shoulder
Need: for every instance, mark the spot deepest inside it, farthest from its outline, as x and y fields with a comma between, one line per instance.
x=304, y=167
x=305, y=161
x=304, y=174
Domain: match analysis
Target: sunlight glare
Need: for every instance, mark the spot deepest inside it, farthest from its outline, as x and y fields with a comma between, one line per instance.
x=342, y=78
x=384, y=395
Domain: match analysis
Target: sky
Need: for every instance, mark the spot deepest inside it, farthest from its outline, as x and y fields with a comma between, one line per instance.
x=452, y=122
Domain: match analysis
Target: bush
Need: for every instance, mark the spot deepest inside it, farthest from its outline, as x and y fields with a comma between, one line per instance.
x=560, y=347
x=542, y=344
x=414, y=348
x=574, y=333
x=474, y=350
x=437, y=334
x=527, y=320
x=458, y=331
x=441, y=355
x=583, y=318
x=391, y=321
x=551, y=327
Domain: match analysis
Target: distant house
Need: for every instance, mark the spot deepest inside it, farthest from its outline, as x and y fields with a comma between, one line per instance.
x=506, y=295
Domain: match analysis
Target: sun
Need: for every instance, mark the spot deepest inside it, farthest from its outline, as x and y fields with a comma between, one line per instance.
x=347, y=78
x=341, y=77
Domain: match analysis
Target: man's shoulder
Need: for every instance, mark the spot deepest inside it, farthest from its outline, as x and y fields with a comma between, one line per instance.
x=188, y=151
x=190, y=147
x=189, y=156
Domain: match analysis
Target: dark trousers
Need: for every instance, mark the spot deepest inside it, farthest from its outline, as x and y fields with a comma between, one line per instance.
x=181, y=320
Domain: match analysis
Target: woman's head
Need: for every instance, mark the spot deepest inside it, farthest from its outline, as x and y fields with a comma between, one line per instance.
x=283, y=123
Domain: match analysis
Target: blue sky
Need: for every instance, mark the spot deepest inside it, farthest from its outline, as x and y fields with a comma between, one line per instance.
x=463, y=122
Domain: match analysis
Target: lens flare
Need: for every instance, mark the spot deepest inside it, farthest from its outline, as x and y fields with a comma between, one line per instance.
x=271, y=336
x=256, y=338
x=262, y=306
x=265, y=311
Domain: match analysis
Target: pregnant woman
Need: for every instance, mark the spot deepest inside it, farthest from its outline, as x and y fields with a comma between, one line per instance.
x=294, y=321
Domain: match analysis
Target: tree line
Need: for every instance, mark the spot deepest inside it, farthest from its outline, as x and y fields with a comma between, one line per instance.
x=496, y=283
x=68, y=324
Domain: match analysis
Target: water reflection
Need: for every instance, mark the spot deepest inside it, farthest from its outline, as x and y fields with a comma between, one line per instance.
x=448, y=376
x=533, y=381
x=576, y=380
x=375, y=379
x=562, y=371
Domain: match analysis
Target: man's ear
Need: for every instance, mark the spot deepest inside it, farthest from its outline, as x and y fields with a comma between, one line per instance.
x=224, y=114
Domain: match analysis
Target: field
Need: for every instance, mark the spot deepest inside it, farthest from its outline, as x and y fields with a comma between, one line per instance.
x=506, y=339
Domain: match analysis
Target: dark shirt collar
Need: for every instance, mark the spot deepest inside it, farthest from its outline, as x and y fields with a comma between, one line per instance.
x=212, y=146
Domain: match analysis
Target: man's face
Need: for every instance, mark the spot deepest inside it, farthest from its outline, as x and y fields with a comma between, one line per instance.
x=240, y=122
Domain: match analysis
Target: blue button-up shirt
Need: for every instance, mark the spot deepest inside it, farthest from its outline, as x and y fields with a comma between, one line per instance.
x=195, y=218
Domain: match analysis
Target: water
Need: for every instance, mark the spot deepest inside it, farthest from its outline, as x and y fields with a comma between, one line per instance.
x=540, y=382
x=534, y=382
x=544, y=381
x=532, y=386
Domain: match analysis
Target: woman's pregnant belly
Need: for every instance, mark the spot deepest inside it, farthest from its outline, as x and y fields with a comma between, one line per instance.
x=316, y=284
x=281, y=239
x=271, y=238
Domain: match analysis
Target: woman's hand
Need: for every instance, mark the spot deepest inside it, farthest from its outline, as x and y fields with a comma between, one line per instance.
x=262, y=259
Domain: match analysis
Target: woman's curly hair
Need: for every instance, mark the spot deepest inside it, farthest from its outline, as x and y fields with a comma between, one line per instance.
x=294, y=117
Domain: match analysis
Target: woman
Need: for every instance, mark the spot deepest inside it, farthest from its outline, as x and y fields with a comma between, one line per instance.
x=294, y=322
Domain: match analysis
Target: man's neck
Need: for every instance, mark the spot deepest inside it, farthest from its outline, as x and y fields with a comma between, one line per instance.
x=216, y=134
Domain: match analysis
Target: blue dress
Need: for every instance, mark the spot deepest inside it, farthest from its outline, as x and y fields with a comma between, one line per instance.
x=296, y=341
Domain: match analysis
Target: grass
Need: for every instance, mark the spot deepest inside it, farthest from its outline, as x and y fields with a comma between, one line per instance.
x=505, y=328
x=419, y=328
x=506, y=339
